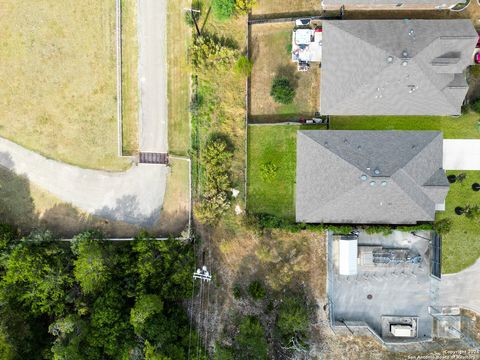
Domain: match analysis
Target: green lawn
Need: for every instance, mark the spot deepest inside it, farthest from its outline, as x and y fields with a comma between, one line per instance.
x=272, y=145
x=130, y=100
x=461, y=246
x=463, y=127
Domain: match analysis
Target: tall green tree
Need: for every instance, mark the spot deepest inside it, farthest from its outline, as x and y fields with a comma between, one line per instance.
x=91, y=266
x=37, y=275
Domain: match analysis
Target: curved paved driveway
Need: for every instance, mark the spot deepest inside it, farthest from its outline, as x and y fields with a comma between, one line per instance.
x=462, y=289
x=134, y=196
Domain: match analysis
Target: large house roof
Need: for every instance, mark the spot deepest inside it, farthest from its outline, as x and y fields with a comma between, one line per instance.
x=395, y=67
x=433, y=3
x=367, y=177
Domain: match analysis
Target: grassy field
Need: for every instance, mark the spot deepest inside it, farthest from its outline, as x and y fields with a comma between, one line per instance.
x=272, y=145
x=461, y=246
x=176, y=204
x=465, y=127
x=130, y=101
x=178, y=40
x=271, y=56
x=59, y=82
x=286, y=7
x=223, y=99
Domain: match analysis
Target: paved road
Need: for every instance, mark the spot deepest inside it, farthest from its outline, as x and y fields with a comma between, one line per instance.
x=152, y=21
x=462, y=289
x=134, y=196
x=461, y=154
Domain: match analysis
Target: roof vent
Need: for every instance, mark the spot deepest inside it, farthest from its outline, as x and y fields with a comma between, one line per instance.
x=325, y=143
x=405, y=54
x=384, y=183
x=372, y=183
x=376, y=171
x=363, y=177
x=404, y=63
x=389, y=59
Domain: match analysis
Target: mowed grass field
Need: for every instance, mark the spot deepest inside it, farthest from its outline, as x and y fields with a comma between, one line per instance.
x=275, y=145
x=271, y=55
x=461, y=246
x=57, y=70
x=130, y=92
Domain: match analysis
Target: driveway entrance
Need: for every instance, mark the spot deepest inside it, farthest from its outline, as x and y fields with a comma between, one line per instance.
x=461, y=154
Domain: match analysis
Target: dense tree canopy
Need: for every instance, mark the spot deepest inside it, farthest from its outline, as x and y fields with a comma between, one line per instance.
x=93, y=299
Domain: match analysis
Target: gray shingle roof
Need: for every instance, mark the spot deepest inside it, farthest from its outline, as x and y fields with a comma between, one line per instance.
x=373, y=3
x=366, y=177
x=395, y=67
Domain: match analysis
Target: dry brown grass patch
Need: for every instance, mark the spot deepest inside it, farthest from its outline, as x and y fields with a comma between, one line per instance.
x=59, y=81
x=271, y=56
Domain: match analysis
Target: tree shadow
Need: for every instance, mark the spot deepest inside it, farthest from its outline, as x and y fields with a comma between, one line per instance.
x=16, y=203
x=65, y=220
x=127, y=209
x=290, y=72
x=218, y=136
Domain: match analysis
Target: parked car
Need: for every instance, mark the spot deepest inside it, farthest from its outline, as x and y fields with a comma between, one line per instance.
x=476, y=58
x=478, y=41
x=302, y=22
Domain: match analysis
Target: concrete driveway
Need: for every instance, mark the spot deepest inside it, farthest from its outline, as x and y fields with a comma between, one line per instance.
x=134, y=196
x=461, y=289
x=461, y=154
x=152, y=36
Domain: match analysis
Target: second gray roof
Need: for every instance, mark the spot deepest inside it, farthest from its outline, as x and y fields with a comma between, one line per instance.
x=364, y=177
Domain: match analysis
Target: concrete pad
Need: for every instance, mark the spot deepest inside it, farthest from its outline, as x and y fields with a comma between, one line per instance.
x=461, y=289
x=461, y=154
x=386, y=289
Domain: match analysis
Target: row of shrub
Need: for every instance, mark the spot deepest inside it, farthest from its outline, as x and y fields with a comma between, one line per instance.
x=261, y=222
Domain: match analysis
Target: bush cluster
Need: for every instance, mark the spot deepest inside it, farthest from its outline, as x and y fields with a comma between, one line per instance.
x=282, y=91
x=225, y=9
x=256, y=290
x=263, y=222
x=209, y=52
x=216, y=160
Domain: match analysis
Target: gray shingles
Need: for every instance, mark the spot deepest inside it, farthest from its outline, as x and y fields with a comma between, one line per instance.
x=395, y=67
x=432, y=3
x=364, y=177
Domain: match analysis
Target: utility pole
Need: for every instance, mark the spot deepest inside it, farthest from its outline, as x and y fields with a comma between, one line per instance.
x=202, y=274
x=192, y=14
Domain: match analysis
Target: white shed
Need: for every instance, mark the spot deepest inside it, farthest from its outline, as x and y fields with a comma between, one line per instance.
x=347, y=256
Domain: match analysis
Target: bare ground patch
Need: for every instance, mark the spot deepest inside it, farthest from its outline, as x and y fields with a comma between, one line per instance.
x=271, y=55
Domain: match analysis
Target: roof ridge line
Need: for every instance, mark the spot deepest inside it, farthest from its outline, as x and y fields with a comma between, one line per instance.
x=403, y=172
